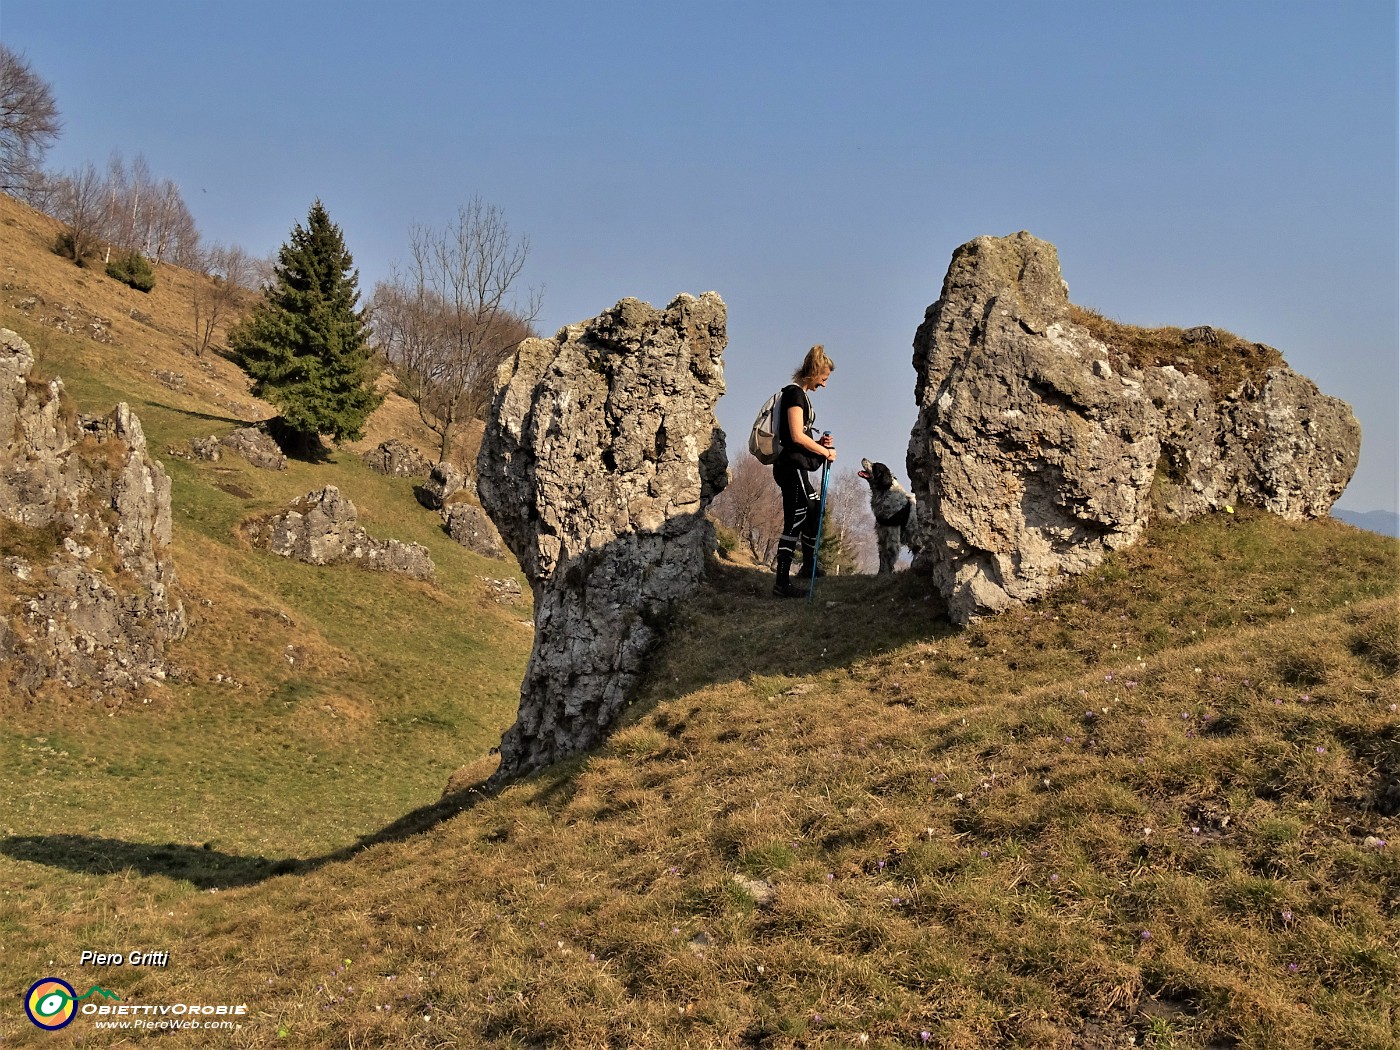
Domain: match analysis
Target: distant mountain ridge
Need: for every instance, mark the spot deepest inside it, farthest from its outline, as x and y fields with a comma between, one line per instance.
x=1386, y=522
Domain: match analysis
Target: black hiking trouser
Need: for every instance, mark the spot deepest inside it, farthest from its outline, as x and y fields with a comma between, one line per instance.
x=801, y=516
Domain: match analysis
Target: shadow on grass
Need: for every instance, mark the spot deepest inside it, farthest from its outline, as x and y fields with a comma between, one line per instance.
x=733, y=628
x=190, y=414
x=209, y=869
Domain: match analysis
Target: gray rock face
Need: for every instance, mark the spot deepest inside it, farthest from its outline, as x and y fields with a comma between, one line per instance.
x=89, y=603
x=257, y=446
x=1280, y=444
x=445, y=480
x=322, y=528
x=397, y=459
x=599, y=458
x=254, y=444
x=1038, y=451
x=469, y=525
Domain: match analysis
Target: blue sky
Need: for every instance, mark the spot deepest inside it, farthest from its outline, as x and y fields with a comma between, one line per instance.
x=1227, y=163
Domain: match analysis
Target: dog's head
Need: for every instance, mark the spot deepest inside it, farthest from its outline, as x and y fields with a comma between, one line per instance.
x=879, y=476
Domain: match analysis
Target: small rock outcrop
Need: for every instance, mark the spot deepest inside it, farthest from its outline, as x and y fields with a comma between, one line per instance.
x=445, y=480
x=397, y=459
x=1038, y=448
x=257, y=446
x=469, y=525
x=322, y=528
x=85, y=512
x=253, y=443
x=600, y=455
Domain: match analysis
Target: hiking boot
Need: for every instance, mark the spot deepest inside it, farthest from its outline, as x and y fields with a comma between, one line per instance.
x=787, y=590
x=805, y=573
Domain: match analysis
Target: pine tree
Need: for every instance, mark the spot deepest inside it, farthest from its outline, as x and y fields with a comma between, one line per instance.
x=836, y=556
x=305, y=344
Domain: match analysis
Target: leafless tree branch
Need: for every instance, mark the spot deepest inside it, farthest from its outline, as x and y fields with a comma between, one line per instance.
x=448, y=320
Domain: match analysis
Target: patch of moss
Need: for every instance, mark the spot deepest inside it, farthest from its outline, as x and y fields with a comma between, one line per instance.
x=1224, y=360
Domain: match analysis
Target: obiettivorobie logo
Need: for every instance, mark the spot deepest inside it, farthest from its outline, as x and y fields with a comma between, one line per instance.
x=52, y=1003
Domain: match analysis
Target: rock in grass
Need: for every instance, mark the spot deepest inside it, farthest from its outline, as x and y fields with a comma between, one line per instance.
x=322, y=528
x=397, y=459
x=469, y=525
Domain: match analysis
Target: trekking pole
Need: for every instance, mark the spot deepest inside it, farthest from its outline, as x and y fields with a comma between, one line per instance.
x=821, y=517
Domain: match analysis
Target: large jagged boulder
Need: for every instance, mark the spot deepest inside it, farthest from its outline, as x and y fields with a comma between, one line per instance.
x=89, y=579
x=322, y=528
x=600, y=455
x=1039, y=448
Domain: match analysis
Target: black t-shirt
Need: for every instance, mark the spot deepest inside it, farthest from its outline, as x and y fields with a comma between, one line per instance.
x=795, y=396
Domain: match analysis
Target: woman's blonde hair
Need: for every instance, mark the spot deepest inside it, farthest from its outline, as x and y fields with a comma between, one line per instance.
x=814, y=364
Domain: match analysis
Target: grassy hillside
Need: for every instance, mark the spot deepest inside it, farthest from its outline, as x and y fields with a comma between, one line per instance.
x=1155, y=809
x=324, y=701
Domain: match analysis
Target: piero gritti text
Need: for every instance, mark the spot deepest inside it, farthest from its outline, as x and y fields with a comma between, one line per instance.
x=135, y=958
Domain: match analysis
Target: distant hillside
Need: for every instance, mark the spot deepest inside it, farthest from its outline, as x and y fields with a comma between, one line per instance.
x=1157, y=808
x=1385, y=522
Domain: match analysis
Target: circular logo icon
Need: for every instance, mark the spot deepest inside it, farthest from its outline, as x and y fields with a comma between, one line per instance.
x=50, y=1003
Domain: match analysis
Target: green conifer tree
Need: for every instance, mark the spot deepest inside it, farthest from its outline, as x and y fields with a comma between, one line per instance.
x=305, y=344
x=836, y=555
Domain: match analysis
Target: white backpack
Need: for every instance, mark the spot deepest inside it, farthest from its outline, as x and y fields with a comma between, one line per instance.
x=763, y=437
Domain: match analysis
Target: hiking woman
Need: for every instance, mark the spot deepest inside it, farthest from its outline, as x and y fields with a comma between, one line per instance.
x=800, y=453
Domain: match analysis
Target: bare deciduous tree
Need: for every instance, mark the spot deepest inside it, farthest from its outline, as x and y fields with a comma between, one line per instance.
x=447, y=323
x=127, y=210
x=752, y=506
x=40, y=192
x=169, y=229
x=848, y=508
x=149, y=216
x=231, y=274
x=80, y=203
x=29, y=122
x=129, y=191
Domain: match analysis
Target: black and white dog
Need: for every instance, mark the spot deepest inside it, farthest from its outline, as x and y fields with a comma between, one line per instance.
x=896, y=513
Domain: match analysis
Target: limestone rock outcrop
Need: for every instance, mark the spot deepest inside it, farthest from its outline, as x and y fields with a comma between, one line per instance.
x=445, y=480
x=470, y=526
x=1038, y=448
x=253, y=443
x=322, y=528
x=600, y=455
x=257, y=446
x=397, y=459
x=88, y=598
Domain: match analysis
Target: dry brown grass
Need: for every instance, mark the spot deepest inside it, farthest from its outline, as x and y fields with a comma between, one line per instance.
x=1226, y=364
x=128, y=337
x=1147, y=810
x=889, y=828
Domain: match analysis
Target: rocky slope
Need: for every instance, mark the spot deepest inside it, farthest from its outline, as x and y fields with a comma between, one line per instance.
x=89, y=582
